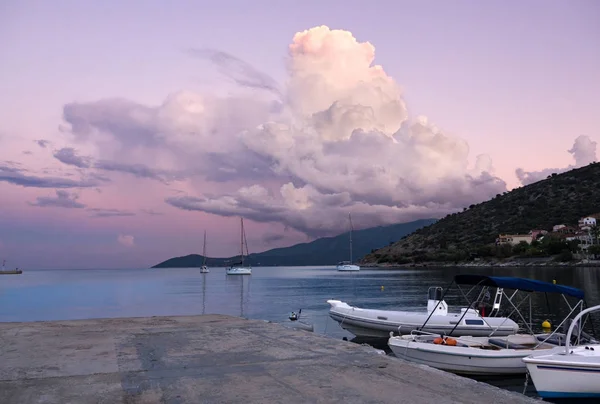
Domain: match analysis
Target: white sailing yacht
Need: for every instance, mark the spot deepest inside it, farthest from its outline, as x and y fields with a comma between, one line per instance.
x=239, y=268
x=204, y=268
x=347, y=265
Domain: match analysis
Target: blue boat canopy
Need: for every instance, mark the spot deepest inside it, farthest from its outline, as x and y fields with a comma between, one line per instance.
x=508, y=282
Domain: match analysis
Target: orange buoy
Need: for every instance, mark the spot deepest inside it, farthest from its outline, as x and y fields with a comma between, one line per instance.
x=438, y=340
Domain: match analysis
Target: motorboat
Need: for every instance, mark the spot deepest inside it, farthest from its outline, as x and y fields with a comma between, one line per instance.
x=346, y=266
x=567, y=372
x=492, y=354
x=239, y=268
x=437, y=319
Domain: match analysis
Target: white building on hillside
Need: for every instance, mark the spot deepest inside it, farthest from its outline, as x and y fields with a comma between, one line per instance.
x=587, y=222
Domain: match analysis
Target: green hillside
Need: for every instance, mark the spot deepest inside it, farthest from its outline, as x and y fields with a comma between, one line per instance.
x=559, y=199
x=323, y=251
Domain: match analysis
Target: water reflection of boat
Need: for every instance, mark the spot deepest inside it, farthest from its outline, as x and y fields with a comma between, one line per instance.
x=567, y=372
x=492, y=354
x=244, y=290
x=204, y=293
x=437, y=319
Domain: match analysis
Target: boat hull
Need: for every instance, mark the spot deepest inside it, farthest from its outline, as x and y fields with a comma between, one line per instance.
x=11, y=272
x=379, y=323
x=239, y=271
x=204, y=270
x=461, y=360
x=348, y=268
x=556, y=375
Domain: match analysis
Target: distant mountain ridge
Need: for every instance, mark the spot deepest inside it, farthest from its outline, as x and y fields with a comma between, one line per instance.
x=322, y=251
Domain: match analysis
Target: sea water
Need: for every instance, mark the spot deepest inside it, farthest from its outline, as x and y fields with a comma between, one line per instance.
x=270, y=293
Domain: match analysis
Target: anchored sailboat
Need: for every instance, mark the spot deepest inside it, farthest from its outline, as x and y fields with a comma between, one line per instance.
x=4, y=271
x=347, y=265
x=239, y=268
x=204, y=268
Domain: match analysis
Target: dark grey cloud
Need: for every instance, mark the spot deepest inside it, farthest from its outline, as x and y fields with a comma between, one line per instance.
x=63, y=199
x=68, y=155
x=27, y=152
x=140, y=171
x=16, y=176
x=98, y=212
x=241, y=72
x=99, y=177
x=42, y=143
x=151, y=212
x=129, y=122
x=269, y=238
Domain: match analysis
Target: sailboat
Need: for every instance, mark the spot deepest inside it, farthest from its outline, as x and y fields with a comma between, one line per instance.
x=239, y=268
x=4, y=271
x=347, y=265
x=204, y=268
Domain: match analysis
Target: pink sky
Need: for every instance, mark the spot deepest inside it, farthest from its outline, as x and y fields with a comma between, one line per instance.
x=127, y=129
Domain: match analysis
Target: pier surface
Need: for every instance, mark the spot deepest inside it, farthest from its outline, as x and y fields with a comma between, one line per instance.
x=212, y=359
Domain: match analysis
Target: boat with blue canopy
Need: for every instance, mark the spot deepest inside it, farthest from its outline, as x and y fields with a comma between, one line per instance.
x=492, y=354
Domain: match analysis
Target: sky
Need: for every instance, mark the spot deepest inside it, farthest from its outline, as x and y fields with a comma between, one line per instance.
x=128, y=128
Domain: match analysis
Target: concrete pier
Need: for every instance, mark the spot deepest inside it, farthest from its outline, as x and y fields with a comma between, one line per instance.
x=212, y=359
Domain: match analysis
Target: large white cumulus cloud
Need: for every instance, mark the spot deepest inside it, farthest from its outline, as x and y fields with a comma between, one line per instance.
x=335, y=139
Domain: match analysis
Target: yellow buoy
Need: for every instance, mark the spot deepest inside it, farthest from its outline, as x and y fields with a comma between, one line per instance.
x=546, y=324
x=381, y=287
x=554, y=281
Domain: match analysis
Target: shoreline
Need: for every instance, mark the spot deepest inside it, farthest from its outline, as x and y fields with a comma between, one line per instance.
x=508, y=263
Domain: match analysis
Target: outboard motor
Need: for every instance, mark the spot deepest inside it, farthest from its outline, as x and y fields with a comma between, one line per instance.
x=294, y=316
x=435, y=303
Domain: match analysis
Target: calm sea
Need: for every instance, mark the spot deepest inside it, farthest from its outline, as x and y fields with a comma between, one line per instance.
x=270, y=293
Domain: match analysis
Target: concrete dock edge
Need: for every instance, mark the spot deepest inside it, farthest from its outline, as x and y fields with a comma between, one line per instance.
x=212, y=359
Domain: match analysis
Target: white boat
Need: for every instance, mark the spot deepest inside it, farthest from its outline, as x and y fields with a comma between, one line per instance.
x=437, y=319
x=492, y=354
x=468, y=355
x=239, y=268
x=348, y=265
x=567, y=372
x=204, y=269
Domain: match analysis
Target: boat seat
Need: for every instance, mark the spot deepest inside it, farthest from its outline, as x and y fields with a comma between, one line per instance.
x=553, y=340
x=502, y=343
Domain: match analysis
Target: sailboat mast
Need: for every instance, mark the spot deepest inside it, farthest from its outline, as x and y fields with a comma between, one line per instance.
x=242, y=240
x=204, y=250
x=350, y=218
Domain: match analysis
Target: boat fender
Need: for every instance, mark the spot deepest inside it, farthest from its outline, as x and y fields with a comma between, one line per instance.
x=450, y=341
x=445, y=341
